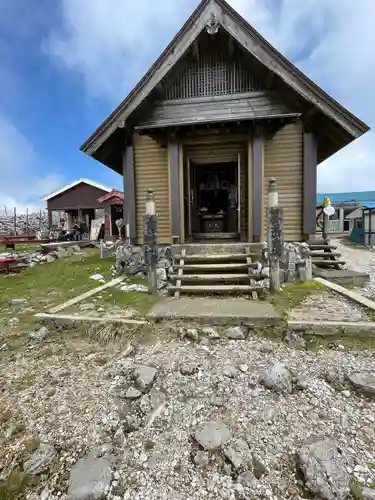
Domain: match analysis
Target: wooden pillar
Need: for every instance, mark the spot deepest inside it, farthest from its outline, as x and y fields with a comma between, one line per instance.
x=310, y=163
x=257, y=185
x=49, y=219
x=129, y=192
x=249, y=177
x=174, y=188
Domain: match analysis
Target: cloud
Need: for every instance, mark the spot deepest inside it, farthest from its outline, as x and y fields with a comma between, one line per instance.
x=20, y=184
x=332, y=41
x=111, y=45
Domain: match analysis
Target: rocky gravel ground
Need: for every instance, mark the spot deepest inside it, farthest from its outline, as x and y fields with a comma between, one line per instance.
x=214, y=414
x=361, y=260
x=328, y=306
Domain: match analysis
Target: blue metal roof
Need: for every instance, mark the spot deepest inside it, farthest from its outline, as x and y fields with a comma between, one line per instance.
x=357, y=198
x=369, y=205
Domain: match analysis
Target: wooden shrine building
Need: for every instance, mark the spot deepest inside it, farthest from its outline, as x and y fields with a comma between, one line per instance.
x=218, y=114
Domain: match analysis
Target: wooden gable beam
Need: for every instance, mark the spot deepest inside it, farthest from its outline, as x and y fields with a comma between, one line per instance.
x=248, y=38
x=155, y=75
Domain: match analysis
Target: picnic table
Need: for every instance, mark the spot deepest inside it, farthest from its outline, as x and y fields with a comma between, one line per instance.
x=8, y=264
x=11, y=241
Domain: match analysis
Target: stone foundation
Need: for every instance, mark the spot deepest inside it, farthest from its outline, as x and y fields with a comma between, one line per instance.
x=130, y=261
x=296, y=263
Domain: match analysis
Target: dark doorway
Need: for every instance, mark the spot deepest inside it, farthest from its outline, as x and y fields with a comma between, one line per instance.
x=212, y=200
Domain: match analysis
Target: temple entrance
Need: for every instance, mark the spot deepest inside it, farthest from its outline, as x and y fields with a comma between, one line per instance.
x=213, y=200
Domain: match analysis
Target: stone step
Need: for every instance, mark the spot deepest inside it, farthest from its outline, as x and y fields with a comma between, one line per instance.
x=208, y=289
x=217, y=266
x=322, y=247
x=325, y=254
x=213, y=277
x=225, y=257
x=327, y=263
x=216, y=248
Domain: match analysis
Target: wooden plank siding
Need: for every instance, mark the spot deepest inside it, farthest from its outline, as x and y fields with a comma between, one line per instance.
x=284, y=162
x=217, y=149
x=246, y=106
x=151, y=171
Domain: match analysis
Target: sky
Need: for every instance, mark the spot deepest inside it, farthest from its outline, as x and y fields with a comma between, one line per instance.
x=66, y=64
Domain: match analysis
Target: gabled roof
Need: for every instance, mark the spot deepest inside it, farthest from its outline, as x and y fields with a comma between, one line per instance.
x=219, y=12
x=72, y=185
x=115, y=193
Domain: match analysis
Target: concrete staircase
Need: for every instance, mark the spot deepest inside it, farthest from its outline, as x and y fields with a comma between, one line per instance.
x=324, y=255
x=216, y=268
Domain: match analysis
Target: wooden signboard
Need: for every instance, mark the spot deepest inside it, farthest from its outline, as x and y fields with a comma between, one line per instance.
x=96, y=226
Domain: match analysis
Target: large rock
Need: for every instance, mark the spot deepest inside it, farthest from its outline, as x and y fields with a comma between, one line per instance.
x=238, y=453
x=335, y=378
x=90, y=478
x=17, y=302
x=278, y=378
x=144, y=377
x=212, y=435
x=40, y=460
x=133, y=393
x=39, y=335
x=324, y=470
x=363, y=383
x=235, y=333
x=152, y=401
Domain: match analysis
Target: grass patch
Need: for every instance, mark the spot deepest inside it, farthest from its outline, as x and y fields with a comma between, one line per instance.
x=47, y=285
x=20, y=248
x=141, y=301
x=293, y=294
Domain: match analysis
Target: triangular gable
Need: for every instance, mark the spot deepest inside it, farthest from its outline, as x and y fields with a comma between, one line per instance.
x=113, y=194
x=74, y=184
x=213, y=15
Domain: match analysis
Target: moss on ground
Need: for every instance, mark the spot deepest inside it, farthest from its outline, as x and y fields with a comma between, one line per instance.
x=293, y=294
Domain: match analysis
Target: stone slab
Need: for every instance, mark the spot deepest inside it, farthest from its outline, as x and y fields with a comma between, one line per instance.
x=69, y=319
x=215, y=311
x=86, y=295
x=328, y=328
x=343, y=276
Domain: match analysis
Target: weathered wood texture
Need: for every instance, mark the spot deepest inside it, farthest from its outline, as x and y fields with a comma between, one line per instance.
x=223, y=148
x=284, y=162
x=257, y=183
x=174, y=187
x=222, y=108
x=212, y=70
x=151, y=171
x=310, y=172
x=129, y=189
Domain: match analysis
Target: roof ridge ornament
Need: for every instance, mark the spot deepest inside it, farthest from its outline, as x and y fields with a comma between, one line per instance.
x=213, y=25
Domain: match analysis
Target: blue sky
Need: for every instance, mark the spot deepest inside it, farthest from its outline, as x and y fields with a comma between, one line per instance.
x=65, y=64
